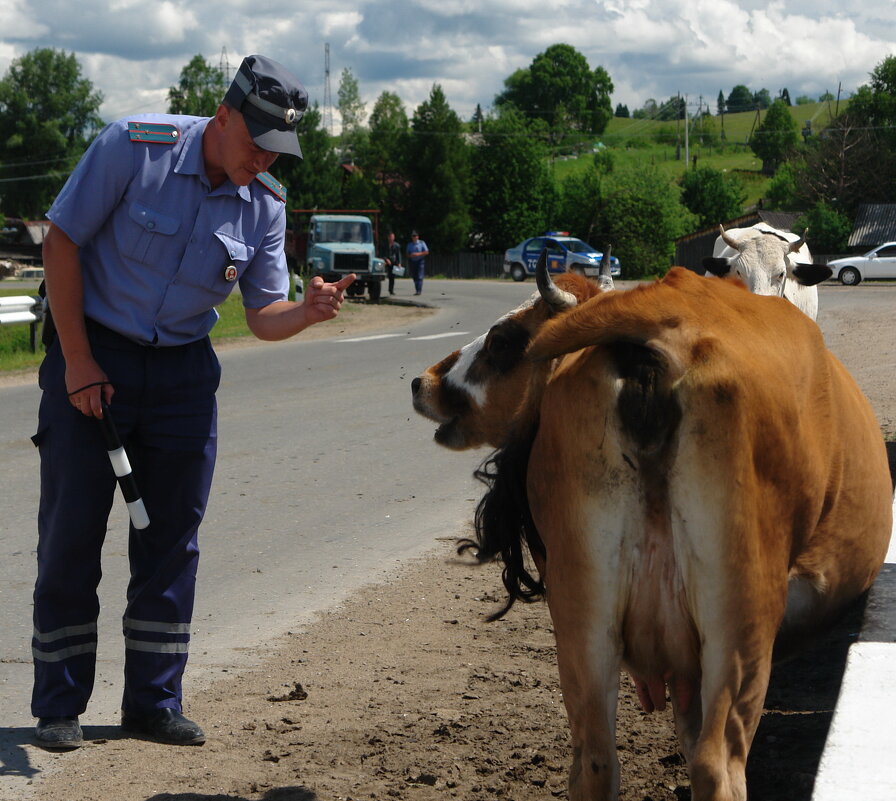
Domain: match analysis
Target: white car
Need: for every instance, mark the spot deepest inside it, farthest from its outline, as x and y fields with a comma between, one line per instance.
x=877, y=263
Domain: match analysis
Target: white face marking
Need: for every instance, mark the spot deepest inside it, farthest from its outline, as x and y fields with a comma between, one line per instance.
x=457, y=375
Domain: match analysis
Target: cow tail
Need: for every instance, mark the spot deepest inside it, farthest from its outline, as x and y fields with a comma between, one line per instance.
x=504, y=525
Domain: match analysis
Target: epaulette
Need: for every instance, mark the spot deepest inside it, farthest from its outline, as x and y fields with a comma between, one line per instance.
x=159, y=132
x=268, y=181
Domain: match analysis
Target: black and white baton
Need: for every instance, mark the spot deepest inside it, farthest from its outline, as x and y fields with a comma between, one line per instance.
x=122, y=468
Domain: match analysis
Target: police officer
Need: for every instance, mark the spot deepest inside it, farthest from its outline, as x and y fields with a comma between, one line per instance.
x=158, y=222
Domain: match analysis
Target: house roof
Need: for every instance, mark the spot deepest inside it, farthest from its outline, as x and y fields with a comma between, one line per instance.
x=782, y=220
x=875, y=223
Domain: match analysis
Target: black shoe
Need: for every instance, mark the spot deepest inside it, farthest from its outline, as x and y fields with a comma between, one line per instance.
x=63, y=732
x=164, y=726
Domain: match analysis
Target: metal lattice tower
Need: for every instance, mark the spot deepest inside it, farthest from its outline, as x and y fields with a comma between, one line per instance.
x=224, y=66
x=328, y=98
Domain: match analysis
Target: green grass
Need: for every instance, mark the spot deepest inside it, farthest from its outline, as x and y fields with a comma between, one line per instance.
x=15, y=350
x=633, y=144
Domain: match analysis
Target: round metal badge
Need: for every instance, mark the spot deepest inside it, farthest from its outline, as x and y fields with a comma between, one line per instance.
x=230, y=273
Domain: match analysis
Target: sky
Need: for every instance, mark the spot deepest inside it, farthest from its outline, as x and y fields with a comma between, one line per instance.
x=134, y=50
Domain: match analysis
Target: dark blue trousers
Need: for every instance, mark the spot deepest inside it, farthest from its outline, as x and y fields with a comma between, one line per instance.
x=164, y=408
x=417, y=268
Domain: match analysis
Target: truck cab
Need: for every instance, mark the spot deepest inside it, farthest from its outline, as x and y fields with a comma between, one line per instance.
x=339, y=244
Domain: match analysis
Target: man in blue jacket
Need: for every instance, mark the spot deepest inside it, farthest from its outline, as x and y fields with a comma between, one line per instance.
x=162, y=217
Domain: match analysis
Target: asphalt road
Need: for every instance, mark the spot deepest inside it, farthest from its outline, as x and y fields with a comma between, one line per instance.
x=326, y=481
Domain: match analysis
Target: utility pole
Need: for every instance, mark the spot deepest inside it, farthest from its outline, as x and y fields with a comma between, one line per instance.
x=328, y=98
x=686, y=148
x=678, y=127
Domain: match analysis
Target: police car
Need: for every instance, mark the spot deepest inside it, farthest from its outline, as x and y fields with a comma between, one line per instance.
x=564, y=253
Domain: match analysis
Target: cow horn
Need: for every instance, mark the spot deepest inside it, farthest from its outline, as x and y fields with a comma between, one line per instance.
x=558, y=299
x=605, y=278
x=795, y=246
x=729, y=240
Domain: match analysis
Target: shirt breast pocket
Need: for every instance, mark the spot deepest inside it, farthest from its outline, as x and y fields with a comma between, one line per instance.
x=153, y=233
x=237, y=255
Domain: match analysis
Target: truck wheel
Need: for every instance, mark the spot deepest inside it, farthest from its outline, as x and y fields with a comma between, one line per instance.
x=353, y=290
x=373, y=290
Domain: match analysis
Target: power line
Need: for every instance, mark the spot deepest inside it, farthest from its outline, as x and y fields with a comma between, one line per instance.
x=35, y=177
x=14, y=164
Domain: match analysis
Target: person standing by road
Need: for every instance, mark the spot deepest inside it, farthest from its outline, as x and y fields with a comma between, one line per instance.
x=417, y=253
x=392, y=256
x=162, y=217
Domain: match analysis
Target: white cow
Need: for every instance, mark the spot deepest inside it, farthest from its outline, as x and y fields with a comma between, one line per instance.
x=769, y=262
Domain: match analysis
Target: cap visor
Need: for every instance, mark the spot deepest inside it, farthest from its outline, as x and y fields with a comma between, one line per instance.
x=272, y=139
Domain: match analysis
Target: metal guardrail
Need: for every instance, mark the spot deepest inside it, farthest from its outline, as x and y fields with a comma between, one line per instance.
x=18, y=309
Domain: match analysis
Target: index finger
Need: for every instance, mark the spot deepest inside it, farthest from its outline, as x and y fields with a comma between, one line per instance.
x=346, y=282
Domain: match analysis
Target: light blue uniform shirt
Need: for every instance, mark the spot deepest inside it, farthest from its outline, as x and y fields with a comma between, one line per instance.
x=156, y=240
x=416, y=247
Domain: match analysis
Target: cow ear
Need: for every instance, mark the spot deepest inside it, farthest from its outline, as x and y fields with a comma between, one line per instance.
x=812, y=274
x=717, y=267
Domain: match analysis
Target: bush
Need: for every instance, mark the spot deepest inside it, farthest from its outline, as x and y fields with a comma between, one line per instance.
x=829, y=229
x=641, y=217
x=781, y=192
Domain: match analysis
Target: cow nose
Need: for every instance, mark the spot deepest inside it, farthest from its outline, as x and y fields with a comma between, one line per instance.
x=415, y=386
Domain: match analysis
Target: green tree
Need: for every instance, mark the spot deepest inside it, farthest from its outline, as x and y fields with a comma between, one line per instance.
x=713, y=196
x=559, y=87
x=382, y=158
x=875, y=103
x=762, y=99
x=648, y=111
x=720, y=103
x=740, y=99
x=581, y=200
x=781, y=192
x=829, y=229
x=351, y=109
x=804, y=100
x=847, y=165
x=672, y=109
x=478, y=118
x=438, y=169
x=315, y=180
x=200, y=90
x=775, y=138
x=641, y=217
x=514, y=193
x=703, y=130
x=853, y=161
x=48, y=115
x=621, y=111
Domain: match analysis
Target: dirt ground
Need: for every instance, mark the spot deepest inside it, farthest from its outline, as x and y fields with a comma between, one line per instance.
x=407, y=693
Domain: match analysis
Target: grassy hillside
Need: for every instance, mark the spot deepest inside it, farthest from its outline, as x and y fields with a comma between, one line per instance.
x=641, y=143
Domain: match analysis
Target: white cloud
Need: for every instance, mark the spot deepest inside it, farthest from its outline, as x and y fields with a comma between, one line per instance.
x=133, y=51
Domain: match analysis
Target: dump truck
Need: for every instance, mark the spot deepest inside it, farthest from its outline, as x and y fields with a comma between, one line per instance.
x=337, y=244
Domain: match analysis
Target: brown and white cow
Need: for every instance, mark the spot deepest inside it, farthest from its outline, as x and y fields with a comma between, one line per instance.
x=695, y=494
x=473, y=393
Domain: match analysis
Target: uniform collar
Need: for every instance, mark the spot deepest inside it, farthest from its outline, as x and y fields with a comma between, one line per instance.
x=191, y=162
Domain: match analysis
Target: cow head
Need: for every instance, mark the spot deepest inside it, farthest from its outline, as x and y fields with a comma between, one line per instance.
x=764, y=259
x=474, y=393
